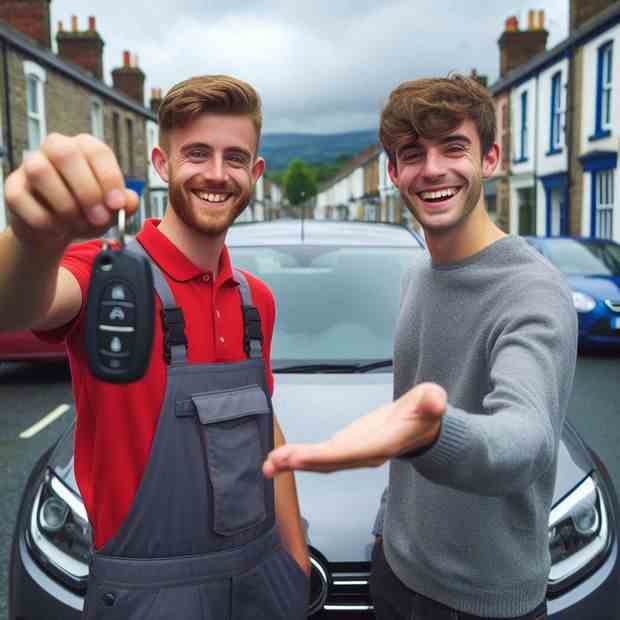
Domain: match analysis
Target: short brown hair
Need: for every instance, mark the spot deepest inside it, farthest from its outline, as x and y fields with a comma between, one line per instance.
x=204, y=94
x=430, y=108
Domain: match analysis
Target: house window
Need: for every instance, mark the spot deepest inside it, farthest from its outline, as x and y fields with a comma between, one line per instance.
x=116, y=138
x=96, y=119
x=555, y=141
x=604, y=203
x=35, y=104
x=130, y=147
x=523, y=131
x=603, y=91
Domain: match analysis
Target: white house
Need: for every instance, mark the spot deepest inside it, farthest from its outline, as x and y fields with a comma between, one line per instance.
x=600, y=134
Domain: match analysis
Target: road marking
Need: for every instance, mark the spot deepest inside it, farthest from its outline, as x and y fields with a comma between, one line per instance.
x=46, y=421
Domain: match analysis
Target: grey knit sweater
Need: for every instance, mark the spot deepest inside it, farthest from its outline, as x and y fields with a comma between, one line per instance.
x=466, y=521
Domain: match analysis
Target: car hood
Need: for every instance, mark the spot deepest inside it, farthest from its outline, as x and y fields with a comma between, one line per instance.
x=603, y=287
x=339, y=509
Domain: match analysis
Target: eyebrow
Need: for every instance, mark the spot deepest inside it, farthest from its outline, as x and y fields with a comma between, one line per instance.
x=204, y=145
x=457, y=137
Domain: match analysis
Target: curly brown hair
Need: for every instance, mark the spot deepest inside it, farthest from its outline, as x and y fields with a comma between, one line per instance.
x=216, y=94
x=430, y=108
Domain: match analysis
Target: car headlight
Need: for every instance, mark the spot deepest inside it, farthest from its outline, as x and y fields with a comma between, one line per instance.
x=60, y=535
x=583, y=303
x=579, y=534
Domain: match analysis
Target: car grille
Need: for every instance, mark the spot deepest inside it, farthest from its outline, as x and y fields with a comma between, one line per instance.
x=348, y=589
x=613, y=305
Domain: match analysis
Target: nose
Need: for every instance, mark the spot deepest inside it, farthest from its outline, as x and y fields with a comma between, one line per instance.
x=214, y=168
x=433, y=165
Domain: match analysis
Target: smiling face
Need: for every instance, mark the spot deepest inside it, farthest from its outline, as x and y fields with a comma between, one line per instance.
x=440, y=180
x=211, y=169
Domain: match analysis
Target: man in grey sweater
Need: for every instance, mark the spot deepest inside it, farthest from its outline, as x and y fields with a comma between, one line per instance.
x=487, y=339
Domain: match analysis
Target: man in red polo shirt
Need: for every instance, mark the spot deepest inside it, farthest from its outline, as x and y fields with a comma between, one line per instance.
x=163, y=472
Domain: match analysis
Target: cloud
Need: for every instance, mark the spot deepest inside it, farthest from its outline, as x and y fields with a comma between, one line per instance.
x=320, y=66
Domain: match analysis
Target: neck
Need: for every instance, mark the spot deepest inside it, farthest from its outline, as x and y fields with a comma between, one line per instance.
x=203, y=250
x=469, y=237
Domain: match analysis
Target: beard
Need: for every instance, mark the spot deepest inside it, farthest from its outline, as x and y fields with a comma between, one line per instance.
x=210, y=220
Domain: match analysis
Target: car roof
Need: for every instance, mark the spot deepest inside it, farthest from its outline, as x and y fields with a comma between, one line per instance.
x=313, y=232
x=542, y=239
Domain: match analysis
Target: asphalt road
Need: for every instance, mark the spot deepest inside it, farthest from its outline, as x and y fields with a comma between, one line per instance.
x=29, y=392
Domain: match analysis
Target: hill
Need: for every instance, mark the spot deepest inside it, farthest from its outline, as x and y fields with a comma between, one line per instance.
x=279, y=149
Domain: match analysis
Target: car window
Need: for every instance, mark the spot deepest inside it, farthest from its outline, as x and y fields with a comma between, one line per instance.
x=608, y=254
x=333, y=303
x=577, y=258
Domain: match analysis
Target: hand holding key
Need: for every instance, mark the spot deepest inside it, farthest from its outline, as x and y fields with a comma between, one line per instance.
x=68, y=189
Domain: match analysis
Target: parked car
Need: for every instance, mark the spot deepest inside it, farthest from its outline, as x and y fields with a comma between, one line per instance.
x=592, y=269
x=24, y=346
x=337, y=289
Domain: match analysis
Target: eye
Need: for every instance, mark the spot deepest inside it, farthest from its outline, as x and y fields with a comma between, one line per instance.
x=411, y=155
x=237, y=158
x=198, y=153
x=455, y=148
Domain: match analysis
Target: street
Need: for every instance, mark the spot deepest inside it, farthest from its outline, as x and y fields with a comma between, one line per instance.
x=29, y=392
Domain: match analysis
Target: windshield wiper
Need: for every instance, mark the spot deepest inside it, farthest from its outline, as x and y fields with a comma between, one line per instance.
x=333, y=368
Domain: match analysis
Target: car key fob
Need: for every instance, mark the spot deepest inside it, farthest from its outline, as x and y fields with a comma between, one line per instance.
x=120, y=310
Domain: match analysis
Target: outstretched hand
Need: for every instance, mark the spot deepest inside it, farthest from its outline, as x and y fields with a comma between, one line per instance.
x=409, y=423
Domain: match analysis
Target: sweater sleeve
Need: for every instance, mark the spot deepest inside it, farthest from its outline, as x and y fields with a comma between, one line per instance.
x=531, y=362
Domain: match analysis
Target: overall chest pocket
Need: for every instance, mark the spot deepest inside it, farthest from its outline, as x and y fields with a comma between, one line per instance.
x=231, y=422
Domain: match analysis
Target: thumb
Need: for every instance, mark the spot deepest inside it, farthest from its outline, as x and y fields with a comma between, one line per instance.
x=428, y=399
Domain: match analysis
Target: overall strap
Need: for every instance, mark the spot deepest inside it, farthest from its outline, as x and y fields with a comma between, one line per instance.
x=252, y=333
x=175, y=341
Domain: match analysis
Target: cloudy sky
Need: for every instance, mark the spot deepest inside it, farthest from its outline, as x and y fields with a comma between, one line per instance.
x=321, y=66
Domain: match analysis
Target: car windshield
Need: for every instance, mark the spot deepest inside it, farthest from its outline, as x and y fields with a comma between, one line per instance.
x=335, y=305
x=584, y=257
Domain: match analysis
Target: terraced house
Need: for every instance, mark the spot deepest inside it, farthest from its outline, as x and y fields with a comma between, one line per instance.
x=43, y=92
x=558, y=116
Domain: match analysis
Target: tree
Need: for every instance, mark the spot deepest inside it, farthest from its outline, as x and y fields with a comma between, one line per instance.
x=299, y=182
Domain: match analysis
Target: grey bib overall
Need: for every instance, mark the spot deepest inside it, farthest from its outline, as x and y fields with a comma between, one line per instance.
x=200, y=541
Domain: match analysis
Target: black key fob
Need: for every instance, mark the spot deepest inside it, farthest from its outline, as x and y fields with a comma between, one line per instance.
x=120, y=310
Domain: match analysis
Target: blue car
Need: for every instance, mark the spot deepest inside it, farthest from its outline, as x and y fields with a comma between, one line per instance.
x=592, y=269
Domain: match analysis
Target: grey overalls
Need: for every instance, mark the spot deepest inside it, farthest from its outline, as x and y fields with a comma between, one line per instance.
x=200, y=541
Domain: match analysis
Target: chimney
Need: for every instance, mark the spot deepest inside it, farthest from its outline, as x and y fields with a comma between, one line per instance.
x=581, y=11
x=83, y=48
x=30, y=17
x=155, y=99
x=129, y=78
x=518, y=47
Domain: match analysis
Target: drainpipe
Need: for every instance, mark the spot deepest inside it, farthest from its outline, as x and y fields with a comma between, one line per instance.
x=7, y=105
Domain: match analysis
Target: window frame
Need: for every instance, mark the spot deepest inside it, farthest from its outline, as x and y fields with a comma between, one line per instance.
x=603, y=200
x=604, y=91
x=555, y=128
x=33, y=71
x=97, y=121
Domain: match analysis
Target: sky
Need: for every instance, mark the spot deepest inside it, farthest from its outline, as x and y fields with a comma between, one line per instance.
x=320, y=66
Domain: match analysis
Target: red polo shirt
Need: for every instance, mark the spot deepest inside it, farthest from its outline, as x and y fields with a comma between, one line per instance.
x=116, y=423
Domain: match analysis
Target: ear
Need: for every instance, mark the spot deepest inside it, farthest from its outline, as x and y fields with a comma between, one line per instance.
x=160, y=161
x=258, y=167
x=392, y=171
x=490, y=161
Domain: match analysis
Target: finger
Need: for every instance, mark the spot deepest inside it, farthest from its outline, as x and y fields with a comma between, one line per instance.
x=46, y=183
x=21, y=203
x=107, y=171
x=67, y=157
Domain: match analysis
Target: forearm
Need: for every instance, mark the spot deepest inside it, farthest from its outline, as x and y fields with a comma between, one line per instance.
x=287, y=513
x=27, y=282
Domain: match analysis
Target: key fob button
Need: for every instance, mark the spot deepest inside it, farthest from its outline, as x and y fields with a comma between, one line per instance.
x=121, y=314
x=118, y=291
x=114, y=363
x=115, y=343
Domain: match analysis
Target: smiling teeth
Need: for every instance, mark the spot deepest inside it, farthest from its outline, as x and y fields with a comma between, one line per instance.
x=443, y=193
x=212, y=197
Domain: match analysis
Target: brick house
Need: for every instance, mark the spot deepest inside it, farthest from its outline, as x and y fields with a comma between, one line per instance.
x=562, y=110
x=43, y=92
